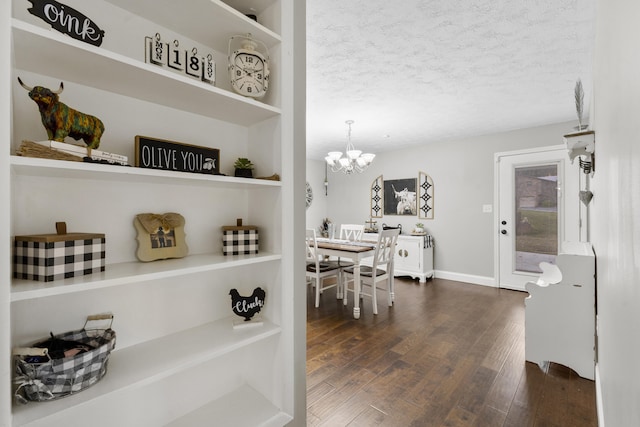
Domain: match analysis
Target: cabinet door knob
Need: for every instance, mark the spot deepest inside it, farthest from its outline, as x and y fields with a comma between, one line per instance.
x=503, y=231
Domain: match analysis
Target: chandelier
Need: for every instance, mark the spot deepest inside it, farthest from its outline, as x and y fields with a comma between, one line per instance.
x=354, y=160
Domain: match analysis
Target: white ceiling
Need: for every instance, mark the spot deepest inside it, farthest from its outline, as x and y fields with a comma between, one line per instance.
x=417, y=71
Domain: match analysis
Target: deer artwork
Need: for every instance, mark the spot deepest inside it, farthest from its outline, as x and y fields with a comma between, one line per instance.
x=61, y=121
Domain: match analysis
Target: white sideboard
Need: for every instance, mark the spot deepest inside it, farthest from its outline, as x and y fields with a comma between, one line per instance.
x=413, y=256
x=560, y=311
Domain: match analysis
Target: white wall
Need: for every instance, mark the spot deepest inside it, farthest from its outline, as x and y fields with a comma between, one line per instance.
x=318, y=209
x=615, y=208
x=462, y=173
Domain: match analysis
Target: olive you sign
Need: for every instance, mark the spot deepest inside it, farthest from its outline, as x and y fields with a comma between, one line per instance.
x=151, y=153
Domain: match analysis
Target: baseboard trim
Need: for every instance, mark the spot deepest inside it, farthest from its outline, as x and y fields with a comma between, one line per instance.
x=599, y=405
x=468, y=278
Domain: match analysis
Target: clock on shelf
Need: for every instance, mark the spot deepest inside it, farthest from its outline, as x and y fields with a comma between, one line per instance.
x=309, y=195
x=248, y=67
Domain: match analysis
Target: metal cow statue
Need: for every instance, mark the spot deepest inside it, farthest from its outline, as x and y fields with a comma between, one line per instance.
x=61, y=121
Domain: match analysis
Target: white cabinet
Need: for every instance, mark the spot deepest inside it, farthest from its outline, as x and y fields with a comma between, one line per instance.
x=178, y=359
x=413, y=256
x=560, y=312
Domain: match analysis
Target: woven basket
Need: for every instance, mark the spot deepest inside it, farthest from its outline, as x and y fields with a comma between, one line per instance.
x=55, y=378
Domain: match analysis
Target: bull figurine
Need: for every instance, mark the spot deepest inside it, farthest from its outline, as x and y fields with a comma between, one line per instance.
x=61, y=121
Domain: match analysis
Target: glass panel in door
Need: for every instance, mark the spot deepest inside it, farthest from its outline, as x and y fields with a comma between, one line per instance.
x=536, y=216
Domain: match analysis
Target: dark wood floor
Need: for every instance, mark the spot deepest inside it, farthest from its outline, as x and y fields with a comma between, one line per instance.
x=446, y=354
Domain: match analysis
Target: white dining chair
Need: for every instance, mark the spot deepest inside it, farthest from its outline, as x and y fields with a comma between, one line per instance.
x=378, y=276
x=351, y=232
x=318, y=270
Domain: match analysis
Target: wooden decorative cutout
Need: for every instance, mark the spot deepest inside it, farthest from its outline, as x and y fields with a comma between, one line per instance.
x=160, y=236
x=377, y=198
x=67, y=20
x=247, y=307
x=425, y=196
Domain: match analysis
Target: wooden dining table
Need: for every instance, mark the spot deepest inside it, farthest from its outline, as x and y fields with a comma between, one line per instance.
x=356, y=252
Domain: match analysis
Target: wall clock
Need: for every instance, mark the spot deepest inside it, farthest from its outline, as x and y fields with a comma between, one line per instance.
x=248, y=67
x=309, y=195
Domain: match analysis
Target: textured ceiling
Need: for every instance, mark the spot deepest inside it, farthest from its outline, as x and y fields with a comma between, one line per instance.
x=417, y=71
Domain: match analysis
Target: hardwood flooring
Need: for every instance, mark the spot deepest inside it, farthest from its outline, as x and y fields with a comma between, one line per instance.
x=446, y=354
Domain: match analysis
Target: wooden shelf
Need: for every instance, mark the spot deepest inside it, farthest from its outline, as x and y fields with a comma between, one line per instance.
x=30, y=166
x=134, y=272
x=231, y=410
x=37, y=50
x=130, y=367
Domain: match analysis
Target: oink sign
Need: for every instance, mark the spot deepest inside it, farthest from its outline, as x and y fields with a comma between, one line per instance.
x=67, y=20
x=166, y=155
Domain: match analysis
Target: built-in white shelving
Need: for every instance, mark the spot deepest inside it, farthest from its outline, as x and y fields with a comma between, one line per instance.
x=230, y=411
x=154, y=360
x=210, y=22
x=173, y=317
x=30, y=166
x=135, y=272
x=41, y=50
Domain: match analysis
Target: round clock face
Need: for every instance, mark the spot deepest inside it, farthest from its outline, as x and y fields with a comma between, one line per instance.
x=249, y=73
x=309, y=195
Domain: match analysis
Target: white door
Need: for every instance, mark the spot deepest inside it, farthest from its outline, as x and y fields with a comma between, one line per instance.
x=538, y=208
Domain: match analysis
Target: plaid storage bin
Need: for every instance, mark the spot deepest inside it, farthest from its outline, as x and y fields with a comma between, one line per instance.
x=62, y=377
x=238, y=242
x=239, y=239
x=49, y=257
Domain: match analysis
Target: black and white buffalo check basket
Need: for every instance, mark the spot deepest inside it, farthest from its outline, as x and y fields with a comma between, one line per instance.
x=240, y=242
x=43, y=378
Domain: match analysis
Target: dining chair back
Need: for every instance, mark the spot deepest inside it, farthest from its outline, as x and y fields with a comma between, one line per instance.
x=351, y=232
x=318, y=269
x=378, y=276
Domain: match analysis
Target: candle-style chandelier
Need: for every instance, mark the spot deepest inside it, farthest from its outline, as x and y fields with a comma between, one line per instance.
x=354, y=160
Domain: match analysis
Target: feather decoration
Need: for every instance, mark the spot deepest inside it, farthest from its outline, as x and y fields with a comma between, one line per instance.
x=579, y=95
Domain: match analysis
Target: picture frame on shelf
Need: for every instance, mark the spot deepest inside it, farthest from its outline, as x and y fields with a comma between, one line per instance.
x=400, y=197
x=160, y=236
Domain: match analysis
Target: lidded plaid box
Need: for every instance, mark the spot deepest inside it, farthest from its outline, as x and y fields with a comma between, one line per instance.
x=49, y=257
x=239, y=239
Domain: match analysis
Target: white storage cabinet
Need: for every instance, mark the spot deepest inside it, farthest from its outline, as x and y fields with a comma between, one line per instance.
x=560, y=312
x=413, y=256
x=178, y=361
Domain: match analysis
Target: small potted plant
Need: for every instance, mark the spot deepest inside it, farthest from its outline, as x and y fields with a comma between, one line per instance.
x=419, y=228
x=244, y=167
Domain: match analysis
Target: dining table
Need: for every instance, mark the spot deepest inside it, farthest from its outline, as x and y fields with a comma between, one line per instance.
x=355, y=251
